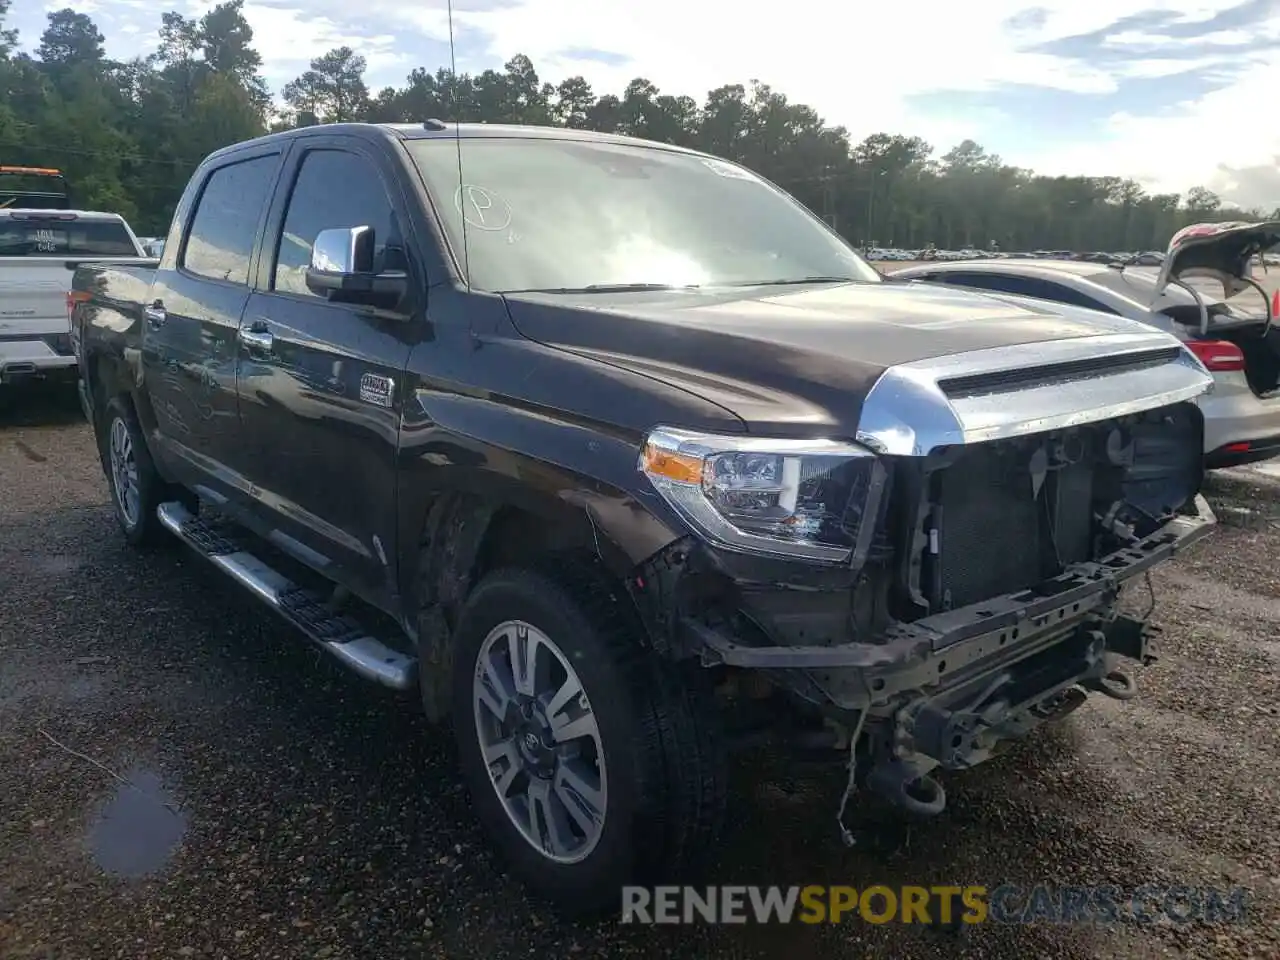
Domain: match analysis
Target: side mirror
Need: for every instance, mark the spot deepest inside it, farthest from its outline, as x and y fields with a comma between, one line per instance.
x=342, y=269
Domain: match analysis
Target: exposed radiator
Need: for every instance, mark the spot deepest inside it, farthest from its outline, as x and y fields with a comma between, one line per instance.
x=1009, y=514
x=988, y=523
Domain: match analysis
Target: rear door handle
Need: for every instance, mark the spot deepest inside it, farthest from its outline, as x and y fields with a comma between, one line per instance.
x=155, y=315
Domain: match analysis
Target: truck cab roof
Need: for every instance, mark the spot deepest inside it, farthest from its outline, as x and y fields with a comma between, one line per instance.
x=420, y=131
x=440, y=130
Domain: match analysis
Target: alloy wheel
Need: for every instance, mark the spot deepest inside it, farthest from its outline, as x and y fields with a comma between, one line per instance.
x=540, y=741
x=124, y=472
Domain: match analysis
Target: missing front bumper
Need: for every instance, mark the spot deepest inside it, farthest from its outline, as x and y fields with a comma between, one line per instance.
x=952, y=690
x=941, y=650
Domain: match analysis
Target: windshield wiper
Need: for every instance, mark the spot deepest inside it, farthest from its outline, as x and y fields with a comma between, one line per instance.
x=793, y=280
x=608, y=288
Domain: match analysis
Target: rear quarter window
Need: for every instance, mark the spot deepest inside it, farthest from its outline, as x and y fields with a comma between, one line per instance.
x=57, y=237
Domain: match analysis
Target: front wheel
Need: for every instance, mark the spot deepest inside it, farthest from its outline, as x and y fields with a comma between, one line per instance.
x=592, y=763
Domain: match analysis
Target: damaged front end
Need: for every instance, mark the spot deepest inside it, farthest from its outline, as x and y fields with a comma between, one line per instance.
x=935, y=591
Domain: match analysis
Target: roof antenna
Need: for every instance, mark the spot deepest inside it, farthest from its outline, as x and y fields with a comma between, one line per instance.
x=460, y=199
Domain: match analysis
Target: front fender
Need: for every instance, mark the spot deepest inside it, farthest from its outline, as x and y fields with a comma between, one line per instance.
x=583, y=482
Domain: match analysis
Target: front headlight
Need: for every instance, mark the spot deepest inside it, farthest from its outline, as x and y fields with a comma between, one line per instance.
x=811, y=499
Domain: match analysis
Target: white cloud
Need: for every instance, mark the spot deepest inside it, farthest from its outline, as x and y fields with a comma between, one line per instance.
x=1157, y=67
x=80, y=6
x=1189, y=143
x=289, y=38
x=855, y=63
x=1217, y=38
x=860, y=65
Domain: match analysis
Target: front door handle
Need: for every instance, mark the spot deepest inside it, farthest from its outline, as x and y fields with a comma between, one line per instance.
x=255, y=337
x=155, y=315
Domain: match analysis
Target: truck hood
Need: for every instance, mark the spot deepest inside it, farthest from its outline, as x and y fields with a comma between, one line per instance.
x=804, y=359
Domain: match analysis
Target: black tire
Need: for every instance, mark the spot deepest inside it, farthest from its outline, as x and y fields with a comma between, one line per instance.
x=144, y=528
x=663, y=754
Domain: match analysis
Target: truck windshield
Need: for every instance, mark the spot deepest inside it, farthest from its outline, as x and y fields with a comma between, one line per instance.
x=569, y=215
x=63, y=235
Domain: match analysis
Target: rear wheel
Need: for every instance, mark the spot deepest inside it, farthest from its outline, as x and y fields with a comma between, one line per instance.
x=136, y=488
x=592, y=763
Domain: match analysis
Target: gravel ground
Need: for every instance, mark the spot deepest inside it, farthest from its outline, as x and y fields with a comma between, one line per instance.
x=277, y=808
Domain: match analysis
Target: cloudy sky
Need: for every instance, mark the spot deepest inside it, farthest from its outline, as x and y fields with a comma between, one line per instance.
x=1171, y=92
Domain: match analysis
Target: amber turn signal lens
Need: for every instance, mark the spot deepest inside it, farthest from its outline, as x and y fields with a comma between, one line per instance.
x=679, y=467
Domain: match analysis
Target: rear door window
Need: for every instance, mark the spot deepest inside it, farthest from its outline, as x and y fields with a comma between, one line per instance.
x=225, y=225
x=63, y=235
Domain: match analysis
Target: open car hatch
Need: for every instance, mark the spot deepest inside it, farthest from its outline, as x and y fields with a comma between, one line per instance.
x=1221, y=252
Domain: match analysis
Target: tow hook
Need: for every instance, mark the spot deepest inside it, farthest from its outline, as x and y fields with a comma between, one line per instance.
x=903, y=786
x=1117, y=685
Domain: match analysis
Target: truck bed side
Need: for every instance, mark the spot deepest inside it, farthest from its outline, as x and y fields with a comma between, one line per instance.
x=106, y=323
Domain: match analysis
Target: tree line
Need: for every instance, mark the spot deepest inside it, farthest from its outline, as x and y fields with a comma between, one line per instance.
x=128, y=134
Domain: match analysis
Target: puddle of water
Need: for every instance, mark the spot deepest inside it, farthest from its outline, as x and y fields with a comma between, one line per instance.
x=138, y=829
